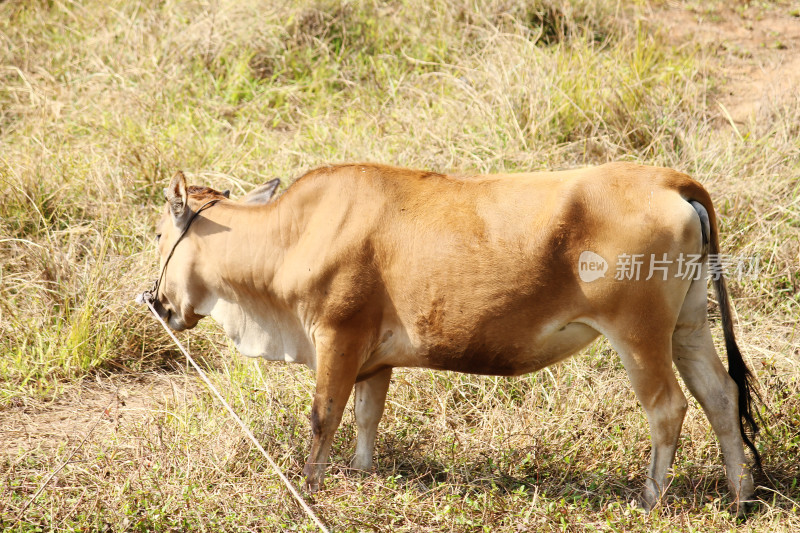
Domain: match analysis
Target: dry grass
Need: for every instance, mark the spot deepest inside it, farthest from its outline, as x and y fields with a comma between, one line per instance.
x=101, y=101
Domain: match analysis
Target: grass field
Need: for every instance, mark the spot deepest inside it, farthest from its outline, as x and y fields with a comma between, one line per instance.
x=101, y=101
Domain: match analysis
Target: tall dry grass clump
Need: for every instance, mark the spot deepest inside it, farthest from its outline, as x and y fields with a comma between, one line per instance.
x=100, y=102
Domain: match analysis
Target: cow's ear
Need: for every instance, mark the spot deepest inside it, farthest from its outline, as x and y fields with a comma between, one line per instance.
x=176, y=195
x=263, y=193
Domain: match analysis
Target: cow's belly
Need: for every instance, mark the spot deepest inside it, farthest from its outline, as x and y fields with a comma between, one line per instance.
x=519, y=356
x=559, y=345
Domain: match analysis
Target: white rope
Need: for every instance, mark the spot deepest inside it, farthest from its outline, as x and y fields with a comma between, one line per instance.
x=244, y=427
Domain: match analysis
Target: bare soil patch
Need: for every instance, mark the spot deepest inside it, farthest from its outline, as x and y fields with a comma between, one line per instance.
x=32, y=426
x=755, y=47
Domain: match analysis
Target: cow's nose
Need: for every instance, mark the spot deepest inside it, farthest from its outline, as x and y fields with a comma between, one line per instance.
x=160, y=309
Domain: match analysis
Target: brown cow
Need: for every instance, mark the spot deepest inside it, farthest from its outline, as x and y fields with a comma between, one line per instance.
x=358, y=269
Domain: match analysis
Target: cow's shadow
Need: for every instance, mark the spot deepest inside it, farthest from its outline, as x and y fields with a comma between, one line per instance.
x=594, y=487
x=415, y=470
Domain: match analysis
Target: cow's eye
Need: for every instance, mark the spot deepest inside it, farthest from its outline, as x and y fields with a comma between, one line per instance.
x=158, y=237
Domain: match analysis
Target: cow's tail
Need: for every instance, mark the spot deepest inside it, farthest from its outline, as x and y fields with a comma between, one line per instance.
x=699, y=198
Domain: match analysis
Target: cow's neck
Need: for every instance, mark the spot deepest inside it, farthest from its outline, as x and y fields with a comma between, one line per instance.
x=246, y=247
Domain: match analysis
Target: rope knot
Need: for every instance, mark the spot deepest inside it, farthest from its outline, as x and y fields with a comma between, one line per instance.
x=149, y=296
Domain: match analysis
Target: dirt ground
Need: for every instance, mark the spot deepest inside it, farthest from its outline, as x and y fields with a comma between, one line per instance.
x=98, y=406
x=756, y=49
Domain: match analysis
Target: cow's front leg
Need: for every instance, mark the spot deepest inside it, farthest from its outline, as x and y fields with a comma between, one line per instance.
x=370, y=399
x=337, y=367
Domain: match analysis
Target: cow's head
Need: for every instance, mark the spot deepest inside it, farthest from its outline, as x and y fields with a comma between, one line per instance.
x=181, y=294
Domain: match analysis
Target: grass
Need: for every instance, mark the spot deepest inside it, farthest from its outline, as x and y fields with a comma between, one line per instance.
x=100, y=102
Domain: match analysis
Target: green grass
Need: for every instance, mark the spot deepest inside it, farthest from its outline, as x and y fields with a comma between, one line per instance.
x=100, y=102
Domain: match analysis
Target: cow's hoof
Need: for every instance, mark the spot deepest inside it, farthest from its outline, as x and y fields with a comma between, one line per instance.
x=361, y=464
x=745, y=507
x=313, y=478
x=647, y=501
x=312, y=486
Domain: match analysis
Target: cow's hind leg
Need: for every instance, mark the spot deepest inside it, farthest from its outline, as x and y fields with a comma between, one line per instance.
x=648, y=361
x=708, y=381
x=370, y=398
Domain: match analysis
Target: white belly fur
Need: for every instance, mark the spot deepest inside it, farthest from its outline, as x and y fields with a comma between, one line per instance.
x=269, y=335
